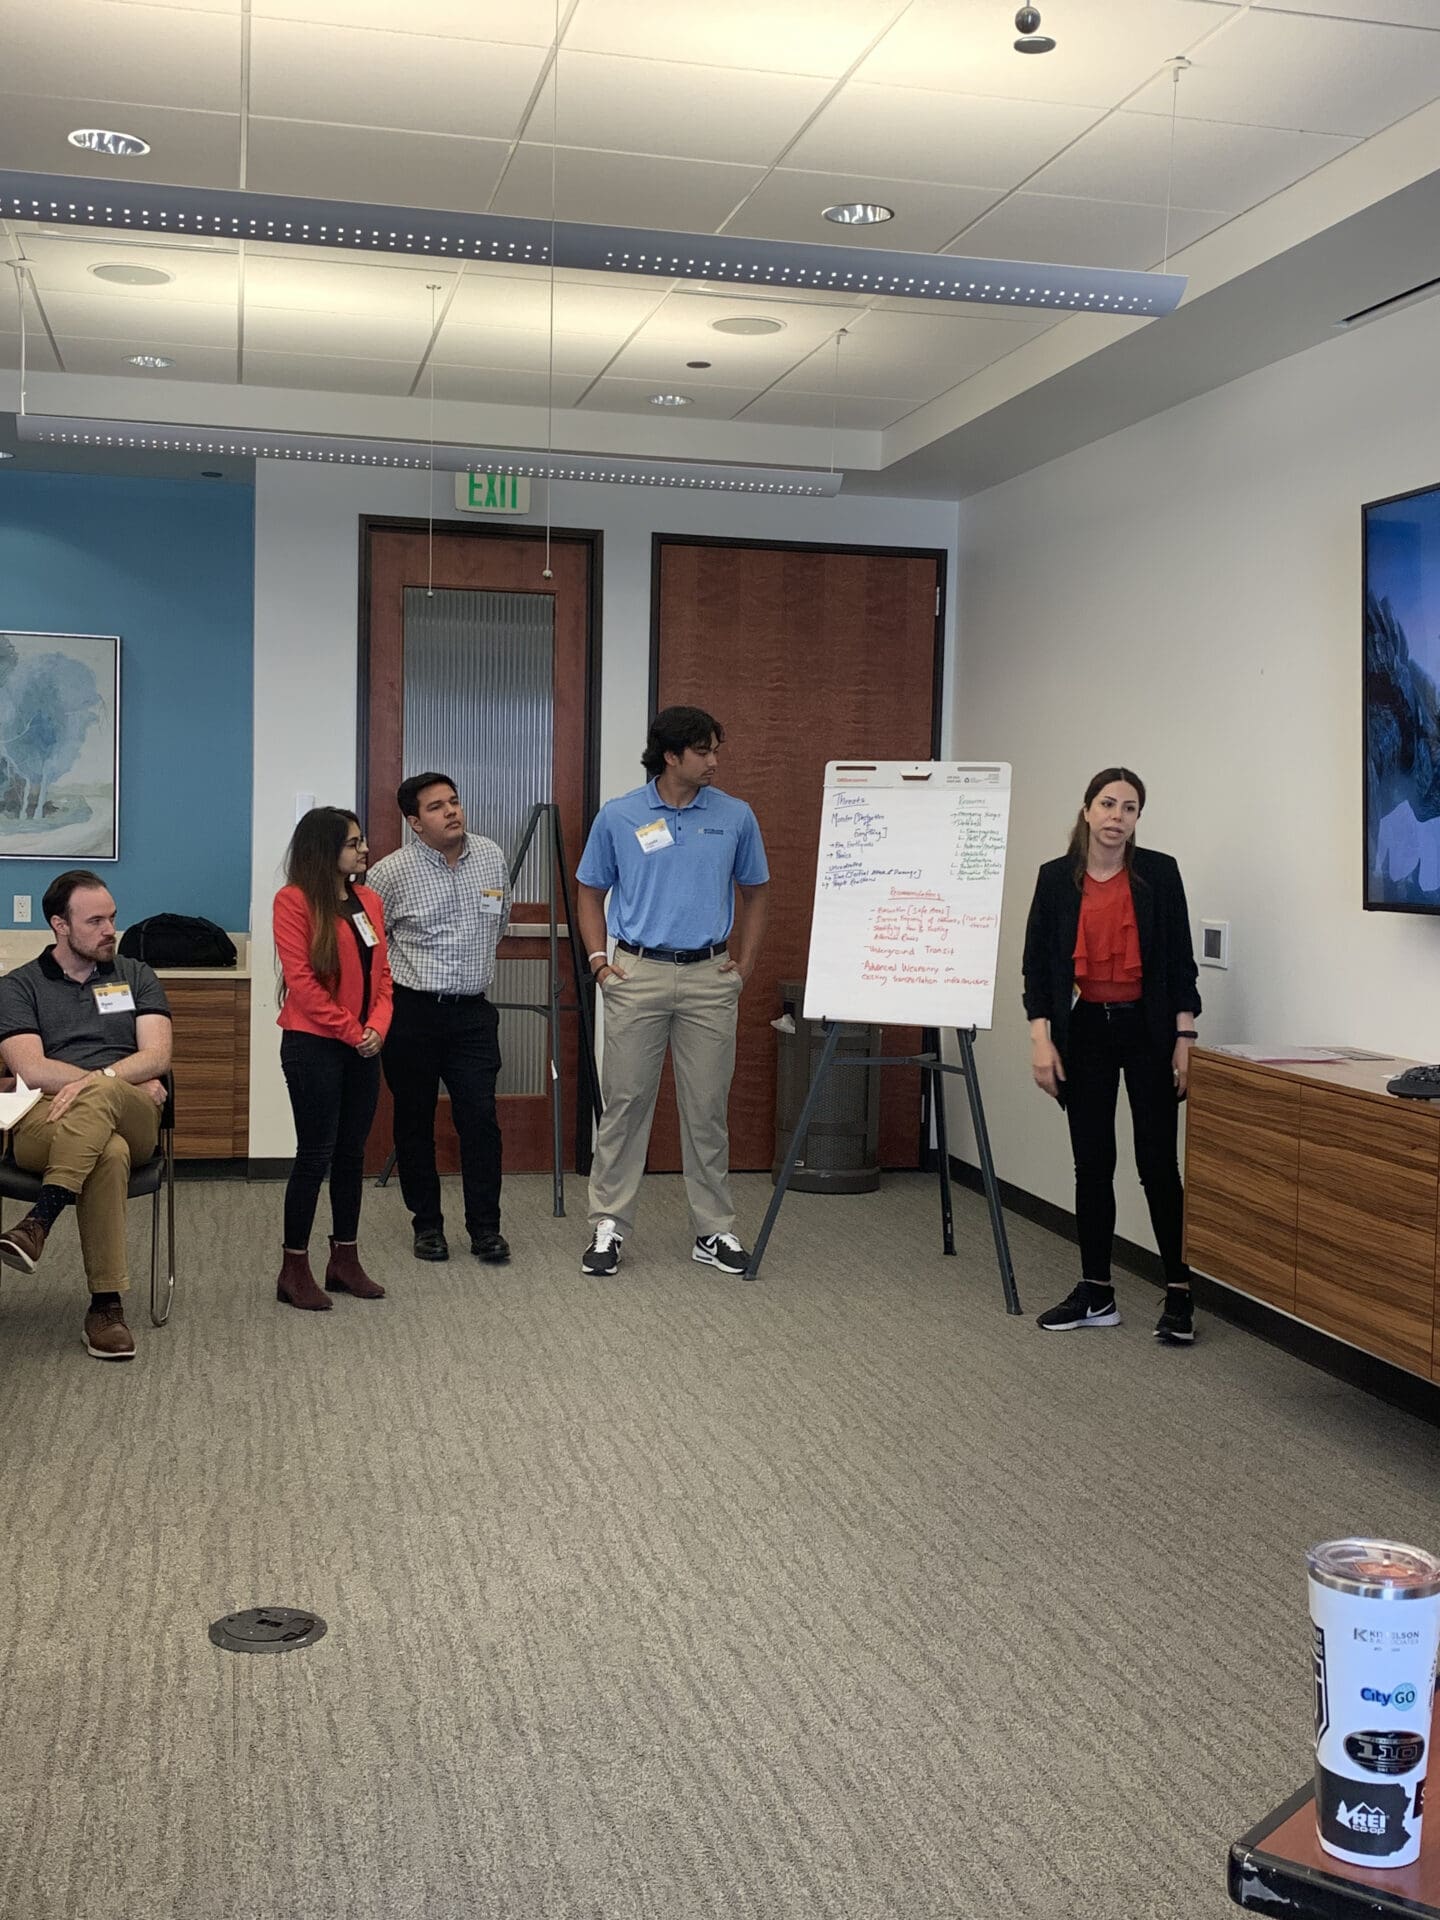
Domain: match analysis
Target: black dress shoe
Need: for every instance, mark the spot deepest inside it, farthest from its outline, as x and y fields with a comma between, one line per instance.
x=430, y=1244
x=490, y=1246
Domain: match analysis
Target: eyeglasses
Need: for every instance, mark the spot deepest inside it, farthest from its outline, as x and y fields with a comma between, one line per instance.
x=356, y=840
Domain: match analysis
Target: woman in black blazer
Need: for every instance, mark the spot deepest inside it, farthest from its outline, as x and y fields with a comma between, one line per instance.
x=1110, y=990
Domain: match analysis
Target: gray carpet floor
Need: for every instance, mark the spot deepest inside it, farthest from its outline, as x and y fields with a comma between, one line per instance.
x=842, y=1594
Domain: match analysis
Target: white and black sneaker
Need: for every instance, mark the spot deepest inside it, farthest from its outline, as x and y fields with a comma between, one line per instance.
x=1176, y=1325
x=1090, y=1305
x=602, y=1256
x=721, y=1250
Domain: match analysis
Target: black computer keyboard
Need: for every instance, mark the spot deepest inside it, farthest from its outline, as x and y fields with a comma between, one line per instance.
x=1416, y=1083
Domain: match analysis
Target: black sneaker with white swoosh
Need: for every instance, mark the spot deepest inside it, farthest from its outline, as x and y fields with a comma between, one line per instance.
x=721, y=1250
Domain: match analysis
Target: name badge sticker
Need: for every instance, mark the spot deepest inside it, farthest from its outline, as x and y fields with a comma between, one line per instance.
x=491, y=902
x=114, y=999
x=365, y=930
x=654, y=835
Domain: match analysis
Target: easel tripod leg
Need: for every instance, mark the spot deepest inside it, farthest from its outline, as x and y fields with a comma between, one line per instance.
x=832, y=1041
x=942, y=1151
x=966, y=1037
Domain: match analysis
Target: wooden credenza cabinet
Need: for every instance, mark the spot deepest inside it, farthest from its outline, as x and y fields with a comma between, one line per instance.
x=211, y=1014
x=1311, y=1188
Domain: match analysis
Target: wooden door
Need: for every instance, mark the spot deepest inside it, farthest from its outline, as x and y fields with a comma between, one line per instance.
x=398, y=556
x=804, y=654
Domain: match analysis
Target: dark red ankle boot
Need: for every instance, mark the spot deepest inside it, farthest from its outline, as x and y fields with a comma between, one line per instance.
x=346, y=1275
x=296, y=1284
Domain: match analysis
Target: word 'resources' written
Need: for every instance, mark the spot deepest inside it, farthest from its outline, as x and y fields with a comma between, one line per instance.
x=919, y=939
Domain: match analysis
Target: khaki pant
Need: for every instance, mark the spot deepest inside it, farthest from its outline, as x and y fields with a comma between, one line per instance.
x=692, y=1011
x=109, y=1126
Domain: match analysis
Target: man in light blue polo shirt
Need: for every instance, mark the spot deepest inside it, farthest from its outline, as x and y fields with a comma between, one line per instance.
x=671, y=855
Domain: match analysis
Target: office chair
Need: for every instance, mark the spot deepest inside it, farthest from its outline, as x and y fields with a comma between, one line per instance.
x=156, y=1177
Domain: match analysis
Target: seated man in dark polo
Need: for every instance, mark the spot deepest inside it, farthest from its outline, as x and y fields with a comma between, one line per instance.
x=91, y=1030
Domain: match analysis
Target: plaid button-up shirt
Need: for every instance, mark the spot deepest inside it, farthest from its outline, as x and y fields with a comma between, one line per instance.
x=444, y=923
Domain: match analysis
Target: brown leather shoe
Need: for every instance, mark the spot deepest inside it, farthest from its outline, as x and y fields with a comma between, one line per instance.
x=23, y=1245
x=296, y=1284
x=106, y=1334
x=345, y=1274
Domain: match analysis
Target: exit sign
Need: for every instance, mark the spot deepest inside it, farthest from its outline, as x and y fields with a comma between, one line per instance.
x=492, y=493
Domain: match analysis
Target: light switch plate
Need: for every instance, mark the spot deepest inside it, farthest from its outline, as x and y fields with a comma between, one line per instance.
x=1214, y=943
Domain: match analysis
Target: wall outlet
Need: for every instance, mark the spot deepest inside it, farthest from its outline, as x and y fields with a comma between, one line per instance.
x=1214, y=943
x=21, y=909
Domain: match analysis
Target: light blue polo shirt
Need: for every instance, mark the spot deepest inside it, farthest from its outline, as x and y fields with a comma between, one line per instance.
x=681, y=894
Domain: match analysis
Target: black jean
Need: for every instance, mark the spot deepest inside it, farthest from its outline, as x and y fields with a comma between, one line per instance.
x=457, y=1041
x=1103, y=1047
x=332, y=1095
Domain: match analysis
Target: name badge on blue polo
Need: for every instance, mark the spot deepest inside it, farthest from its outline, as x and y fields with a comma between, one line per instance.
x=654, y=835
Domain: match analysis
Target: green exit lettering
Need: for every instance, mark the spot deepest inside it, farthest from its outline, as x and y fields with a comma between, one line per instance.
x=492, y=492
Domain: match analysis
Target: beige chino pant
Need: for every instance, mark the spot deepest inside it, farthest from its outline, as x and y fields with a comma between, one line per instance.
x=692, y=1011
x=109, y=1127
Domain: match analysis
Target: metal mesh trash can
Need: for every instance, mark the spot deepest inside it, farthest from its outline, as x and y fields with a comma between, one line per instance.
x=841, y=1149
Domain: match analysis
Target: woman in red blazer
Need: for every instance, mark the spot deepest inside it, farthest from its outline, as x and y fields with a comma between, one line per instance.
x=335, y=997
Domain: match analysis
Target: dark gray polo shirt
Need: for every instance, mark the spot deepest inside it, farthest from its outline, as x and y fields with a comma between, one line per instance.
x=39, y=998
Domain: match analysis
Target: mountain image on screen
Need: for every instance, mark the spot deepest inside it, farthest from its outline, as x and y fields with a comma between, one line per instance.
x=1363, y=1816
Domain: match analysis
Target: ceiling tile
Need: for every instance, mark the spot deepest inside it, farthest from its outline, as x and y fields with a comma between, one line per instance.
x=504, y=387
x=343, y=284
x=1104, y=48
x=624, y=189
x=523, y=302
x=199, y=149
x=784, y=408
x=1126, y=158
x=1084, y=233
x=612, y=395
x=912, y=356
x=161, y=56
x=355, y=334
x=788, y=206
x=523, y=350
x=660, y=107
x=1319, y=76
x=374, y=164
x=214, y=364
x=1398, y=13
x=528, y=23
x=902, y=133
x=687, y=319
x=798, y=36
x=63, y=259
x=358, y=78
x=38, y=357
x=327, y=374
x=94, y=316
x=734, y=362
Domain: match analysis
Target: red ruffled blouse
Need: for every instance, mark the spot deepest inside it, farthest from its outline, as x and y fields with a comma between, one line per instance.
x=1107, y=944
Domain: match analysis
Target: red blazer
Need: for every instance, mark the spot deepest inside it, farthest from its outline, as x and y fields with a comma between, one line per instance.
x=310, y=1006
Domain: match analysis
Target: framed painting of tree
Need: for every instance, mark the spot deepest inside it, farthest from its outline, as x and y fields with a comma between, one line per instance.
x=59, y=746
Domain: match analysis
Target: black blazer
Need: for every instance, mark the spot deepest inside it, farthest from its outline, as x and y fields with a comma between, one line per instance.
x=1168, y=986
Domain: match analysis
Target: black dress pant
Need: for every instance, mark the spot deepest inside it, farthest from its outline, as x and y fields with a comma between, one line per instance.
x=332, y=1095
x=457, y=1042
x=1105, y=1045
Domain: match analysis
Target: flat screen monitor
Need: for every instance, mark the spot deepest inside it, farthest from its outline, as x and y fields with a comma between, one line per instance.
x=1402, y=702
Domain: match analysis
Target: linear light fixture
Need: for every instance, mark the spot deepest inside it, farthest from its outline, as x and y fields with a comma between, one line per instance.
x=61, y=430
x=167, y=211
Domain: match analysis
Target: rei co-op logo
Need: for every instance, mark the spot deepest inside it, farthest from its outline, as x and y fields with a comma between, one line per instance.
x=1402, y=1697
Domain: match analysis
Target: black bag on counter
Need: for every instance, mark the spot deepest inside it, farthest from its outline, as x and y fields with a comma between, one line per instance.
x=178, y=940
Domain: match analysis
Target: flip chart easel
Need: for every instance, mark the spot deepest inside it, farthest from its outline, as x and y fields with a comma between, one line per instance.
x=906, y=931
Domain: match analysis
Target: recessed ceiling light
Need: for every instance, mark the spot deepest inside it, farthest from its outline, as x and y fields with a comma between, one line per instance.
x=743, y=323
x=119, y=146
x=698, y=364
x=668, y=400
x=859, y=213
x=148, y=360
x=122, y=274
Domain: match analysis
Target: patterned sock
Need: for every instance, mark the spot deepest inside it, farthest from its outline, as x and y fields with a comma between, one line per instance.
x=51, y=1204
x=98, y=1300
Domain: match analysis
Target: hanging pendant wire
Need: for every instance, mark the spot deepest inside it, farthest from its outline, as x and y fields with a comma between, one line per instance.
x=434, y=289
x=835, y=397
x=1177, y=67
x=550, y=368
x=18, y=268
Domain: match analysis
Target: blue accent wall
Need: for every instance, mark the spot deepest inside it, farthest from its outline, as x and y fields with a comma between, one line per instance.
x=169, y=565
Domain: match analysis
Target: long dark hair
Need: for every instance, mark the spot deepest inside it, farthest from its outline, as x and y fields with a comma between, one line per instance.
x=311, y=865
x=1079, y=848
